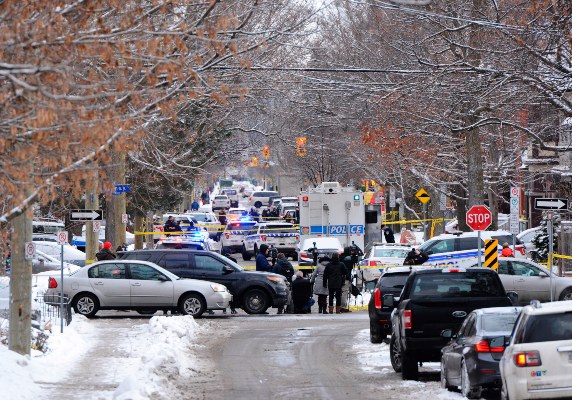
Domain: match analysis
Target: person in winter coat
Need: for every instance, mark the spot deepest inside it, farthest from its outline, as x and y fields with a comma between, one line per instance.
x=506, y=251
x=334, y=277
x=415, y=257
x=302, y=294
x=317, y=279
x=388, y=234
x=348, y=261
x=105, y=253
x=262, y=263
x=283, y=267
x=171, y=225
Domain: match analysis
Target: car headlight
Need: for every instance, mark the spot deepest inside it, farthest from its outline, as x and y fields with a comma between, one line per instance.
x=276, y=280
x=218, y=288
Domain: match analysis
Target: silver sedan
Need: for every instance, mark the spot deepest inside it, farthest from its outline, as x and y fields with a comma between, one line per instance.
x=136, y=285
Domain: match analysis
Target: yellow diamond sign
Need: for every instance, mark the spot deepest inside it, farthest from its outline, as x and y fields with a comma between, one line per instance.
x=422, y=196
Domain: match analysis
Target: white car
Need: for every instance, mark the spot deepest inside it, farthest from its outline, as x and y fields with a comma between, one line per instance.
x=526, y=238
x=325, y=246
x=261, y=199
x=537, y=363
x=281, y=235
x=378, y=256
x=54, y=249
x=221, y=202
x=136, y=285
x=236, y=213
x=207, y=221
x=232, y=238
x=232, y=195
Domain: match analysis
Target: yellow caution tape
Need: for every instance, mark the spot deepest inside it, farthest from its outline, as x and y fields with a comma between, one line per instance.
x=357, y=308
x=562, y=256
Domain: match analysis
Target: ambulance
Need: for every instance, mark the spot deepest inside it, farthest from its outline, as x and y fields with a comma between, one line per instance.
x=333, y=210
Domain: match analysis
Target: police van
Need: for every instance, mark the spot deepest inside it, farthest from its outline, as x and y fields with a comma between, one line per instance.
x=232, y=237
x=461, y=249
x=281, y=235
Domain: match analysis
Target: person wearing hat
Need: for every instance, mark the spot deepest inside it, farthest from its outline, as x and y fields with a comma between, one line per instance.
x=262, y=263
x=506, y=250
x=105, y=253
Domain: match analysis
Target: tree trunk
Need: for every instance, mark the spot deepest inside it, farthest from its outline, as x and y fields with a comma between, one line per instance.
x=91, y=203
x=139, y=226
x=114, y=228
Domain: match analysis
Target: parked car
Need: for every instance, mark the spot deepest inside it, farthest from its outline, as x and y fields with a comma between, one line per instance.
x=526, y=237
x=325, y=247
x=54, y=249
x=237, y=213
x=537, y=363
x=532, y=281
x=207, y=221
x=136, y=285
x=43, y=262
x=260, y=199
x=391, y=282
x=252, y=291
x=378, y=256
x=469, y=361
x=221, y=202
x=232, y=195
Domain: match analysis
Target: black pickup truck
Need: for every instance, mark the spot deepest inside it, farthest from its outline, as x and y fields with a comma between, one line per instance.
x=433, y=300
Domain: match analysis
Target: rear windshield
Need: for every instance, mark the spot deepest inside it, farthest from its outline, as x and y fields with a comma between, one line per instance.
x=500, y=324
x=264, y=194
x=229, y=192
x=394, y=281
x=380, y=252
x=220, y=197
x=457, y=284
x=278, y=229
x=547, y=328
x=238, y=212
x=201, y=217
x=240, y=226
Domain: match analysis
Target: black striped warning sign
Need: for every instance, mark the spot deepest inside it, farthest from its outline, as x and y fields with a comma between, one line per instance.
x=492, y=254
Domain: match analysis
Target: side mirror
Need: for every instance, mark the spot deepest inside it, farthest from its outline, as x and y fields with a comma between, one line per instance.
x=447, y=333
x=388, y=300
x=163, y=278
x=227, y=269
x=513, y=297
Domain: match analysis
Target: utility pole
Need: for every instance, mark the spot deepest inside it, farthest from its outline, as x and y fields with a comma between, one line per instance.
x=114, y=228
x=20, y=336
x=92, y=203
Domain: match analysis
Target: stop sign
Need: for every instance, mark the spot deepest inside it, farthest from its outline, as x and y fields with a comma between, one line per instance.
x=479, y=218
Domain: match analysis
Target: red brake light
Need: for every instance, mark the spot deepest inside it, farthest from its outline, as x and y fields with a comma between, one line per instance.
x=407, y=322
x=304, y=254
x=305, y=198
x=52, y=284
x=263, y=238
x=527, y=359
x=483, y=347
x=377, y=301
x=372, y=263
x=453, y=270
x=521, y=250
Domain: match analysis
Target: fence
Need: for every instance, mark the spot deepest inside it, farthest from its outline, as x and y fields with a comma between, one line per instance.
x=47, y=311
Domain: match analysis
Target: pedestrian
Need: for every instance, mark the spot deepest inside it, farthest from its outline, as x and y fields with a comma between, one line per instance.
x=388, y=234
x=262, y=263
x=283, y=267
x=195, y=206
x=415, y=257
x=506, y=250
x=265, y=214
x=171, y=225
x=105, y=253
x=317, y=279
x=334, y=277
x=302, y=294
x=347, y=258
x=297, y=216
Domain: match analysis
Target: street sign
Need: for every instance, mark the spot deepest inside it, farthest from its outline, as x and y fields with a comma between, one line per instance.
x=422, y=196
x=62, y=237
x=86, y=215
x=124, y=218
x=96, y=226
x=492, y=254
x=479, y=218
x=29, y=250
x=514, y=210
x=123, y=188
x=550, y=204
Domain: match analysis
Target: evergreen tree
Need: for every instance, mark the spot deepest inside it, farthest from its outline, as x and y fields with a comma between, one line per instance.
x=540, y=241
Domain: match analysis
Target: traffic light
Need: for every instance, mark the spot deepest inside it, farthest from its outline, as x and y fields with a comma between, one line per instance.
x=266, y=152
x=301, y=146
x=254, y=161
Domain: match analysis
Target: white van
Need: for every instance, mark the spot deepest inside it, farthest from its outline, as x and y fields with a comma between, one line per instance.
x=261, y=198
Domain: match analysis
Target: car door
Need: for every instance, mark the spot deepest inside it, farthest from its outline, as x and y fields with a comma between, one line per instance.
x=530, y=282
x=149, y=286
x=109, y=282
x=210, y=268
x=178, y=263
x=458, y=346
x=506, y=275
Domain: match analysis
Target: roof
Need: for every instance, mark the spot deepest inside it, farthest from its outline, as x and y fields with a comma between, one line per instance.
x=436, y=270
x=498, y=310
x=549, y=308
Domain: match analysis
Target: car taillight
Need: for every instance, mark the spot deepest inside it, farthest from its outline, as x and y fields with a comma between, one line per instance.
x=377, y=301
x=527, y=359
x=52, y=284
x=304, y=254
x=407, y=321
x=227, y=235
x=372, y=263
x=522, y=250
x=263, y=238
x=484, y=347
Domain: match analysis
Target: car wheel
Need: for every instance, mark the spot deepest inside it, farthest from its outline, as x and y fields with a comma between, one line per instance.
x=86, y=304
x=395, y=354
x=409, y=367
x=375, y=336
x=192, y=304
x=246, y=256
x=444, y=382
x=470, y=392
x=255, y=301
x=566, y=294
x=294, y=256
x=146, y=312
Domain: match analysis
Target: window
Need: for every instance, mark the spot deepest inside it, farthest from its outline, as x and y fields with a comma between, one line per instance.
x=107, y=271
x=466, y=326
x=547, y=328
x=503, y=267
x=469, y=243
x=278, y=229
x=393, y=281
x=136, y=256
x=381, y=252
x=523, y=269
x=174, y=262
x=204, y=262
x=498, y=323
x=145, y=272
x=473, y=284
x=441, y=246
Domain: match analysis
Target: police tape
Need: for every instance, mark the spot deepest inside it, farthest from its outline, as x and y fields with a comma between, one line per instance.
x=416, y=221
x=562, y=256
x=211, y=228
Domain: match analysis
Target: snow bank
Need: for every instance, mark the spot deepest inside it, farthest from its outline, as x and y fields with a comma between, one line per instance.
x=16, y=377
x=168, y=341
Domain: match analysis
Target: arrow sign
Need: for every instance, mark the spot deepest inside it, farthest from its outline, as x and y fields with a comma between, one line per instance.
x=86, y=215
x=550, y=204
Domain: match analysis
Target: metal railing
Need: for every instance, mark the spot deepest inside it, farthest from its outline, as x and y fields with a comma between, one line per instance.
x=47, y=309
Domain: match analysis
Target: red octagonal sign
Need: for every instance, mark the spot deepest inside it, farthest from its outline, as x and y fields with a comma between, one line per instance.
x=479, y=218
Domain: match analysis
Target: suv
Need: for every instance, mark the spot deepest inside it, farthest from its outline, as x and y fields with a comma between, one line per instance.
x=252, y=291
x=232, y=238
x=461, y=250
x=221, y=202
x=232, y=195
x=283, y=236
x=537, y=363
x=261, y=199
x=391, y=282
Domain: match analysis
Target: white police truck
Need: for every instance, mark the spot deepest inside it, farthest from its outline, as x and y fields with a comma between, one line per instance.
x=282, y=236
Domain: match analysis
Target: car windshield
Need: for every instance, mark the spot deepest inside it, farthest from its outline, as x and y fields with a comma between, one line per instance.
x=180, y=245
x=456, y=284
x=231, y=192
x=384, y=252
x=548, y=328
x=498, y=324
x=278, y=229
x=201, y=217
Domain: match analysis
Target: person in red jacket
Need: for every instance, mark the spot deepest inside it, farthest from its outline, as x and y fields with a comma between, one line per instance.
x=506, y=251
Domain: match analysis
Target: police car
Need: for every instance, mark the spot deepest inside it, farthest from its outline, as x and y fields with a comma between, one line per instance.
x=197, y=239
x=234, y=233
x=461, y=249
x=281, y=235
